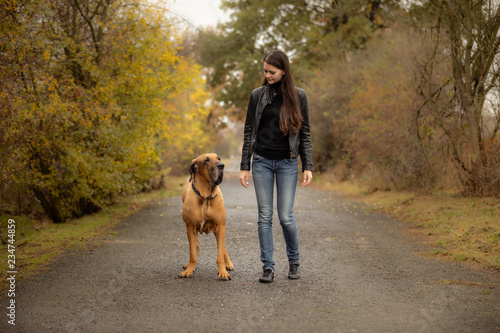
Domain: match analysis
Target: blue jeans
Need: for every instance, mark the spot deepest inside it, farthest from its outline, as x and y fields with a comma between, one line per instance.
x=286, y=171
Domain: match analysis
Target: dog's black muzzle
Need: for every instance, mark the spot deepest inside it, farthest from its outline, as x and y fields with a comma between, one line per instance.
x=218, y=173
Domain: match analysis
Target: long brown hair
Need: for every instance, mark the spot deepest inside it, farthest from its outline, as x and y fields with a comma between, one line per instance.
x=290, y=115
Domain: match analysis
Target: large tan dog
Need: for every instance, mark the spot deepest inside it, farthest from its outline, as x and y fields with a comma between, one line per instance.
x=204, y=211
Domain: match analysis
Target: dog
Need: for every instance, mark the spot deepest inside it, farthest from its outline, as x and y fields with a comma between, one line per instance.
x=203, y=211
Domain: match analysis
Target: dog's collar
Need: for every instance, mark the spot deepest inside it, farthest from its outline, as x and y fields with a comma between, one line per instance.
x=199, y=194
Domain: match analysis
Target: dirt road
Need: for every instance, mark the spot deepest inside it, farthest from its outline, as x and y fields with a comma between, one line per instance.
x=361, y=272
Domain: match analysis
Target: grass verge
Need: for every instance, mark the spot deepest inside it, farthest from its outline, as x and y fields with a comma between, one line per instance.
x=463, y=229
x=38, y=243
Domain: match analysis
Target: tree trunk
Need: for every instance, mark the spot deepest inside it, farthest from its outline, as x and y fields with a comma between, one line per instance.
x=51, y=206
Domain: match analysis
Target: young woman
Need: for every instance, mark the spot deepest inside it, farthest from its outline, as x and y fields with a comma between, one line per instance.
x=276, y=132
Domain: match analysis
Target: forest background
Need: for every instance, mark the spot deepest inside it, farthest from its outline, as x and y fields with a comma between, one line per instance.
x=103, y=98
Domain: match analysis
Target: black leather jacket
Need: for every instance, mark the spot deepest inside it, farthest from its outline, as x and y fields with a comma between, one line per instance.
x=300, y=143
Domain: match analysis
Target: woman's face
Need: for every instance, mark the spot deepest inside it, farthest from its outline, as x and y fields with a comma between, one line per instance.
x=272, y=74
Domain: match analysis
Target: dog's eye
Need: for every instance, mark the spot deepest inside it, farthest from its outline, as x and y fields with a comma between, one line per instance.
x=206, y=160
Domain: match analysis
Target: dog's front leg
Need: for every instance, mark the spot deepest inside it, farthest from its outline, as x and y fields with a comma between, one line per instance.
x=220, y=236
x=227, y=260
x=229, y=263
x=197, y=252
x=194, y=248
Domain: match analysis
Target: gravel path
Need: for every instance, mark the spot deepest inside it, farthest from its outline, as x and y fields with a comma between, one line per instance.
x=361, y=272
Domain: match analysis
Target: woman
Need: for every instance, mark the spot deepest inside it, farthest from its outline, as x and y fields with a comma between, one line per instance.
x=276, y=132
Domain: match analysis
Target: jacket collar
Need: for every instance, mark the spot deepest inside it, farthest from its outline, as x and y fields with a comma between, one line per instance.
x=271, y=91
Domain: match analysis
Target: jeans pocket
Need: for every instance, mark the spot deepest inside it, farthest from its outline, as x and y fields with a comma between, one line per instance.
x=256, y=157
x=291, y=161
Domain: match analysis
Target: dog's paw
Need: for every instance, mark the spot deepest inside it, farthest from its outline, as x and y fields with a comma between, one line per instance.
x=185, y=274
x=230, y=266
x=224, y=276
x=188, y=272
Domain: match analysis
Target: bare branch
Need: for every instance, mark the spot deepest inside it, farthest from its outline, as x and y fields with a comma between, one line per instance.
x=92, y=30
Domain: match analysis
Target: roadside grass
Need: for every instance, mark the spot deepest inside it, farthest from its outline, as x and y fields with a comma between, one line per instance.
x=38, y=243
x=463, y=229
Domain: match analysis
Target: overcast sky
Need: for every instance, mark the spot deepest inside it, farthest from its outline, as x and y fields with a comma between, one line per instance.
x=199, y=13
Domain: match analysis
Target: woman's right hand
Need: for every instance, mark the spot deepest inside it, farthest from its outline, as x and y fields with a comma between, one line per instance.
x=244, y=178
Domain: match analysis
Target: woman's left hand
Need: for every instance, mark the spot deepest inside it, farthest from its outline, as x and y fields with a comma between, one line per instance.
x=308, y=176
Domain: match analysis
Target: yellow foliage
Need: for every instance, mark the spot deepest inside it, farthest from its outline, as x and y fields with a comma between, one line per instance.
x=85, y=122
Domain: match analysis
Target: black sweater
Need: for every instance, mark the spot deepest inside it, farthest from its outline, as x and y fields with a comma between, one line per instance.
x=271, y=143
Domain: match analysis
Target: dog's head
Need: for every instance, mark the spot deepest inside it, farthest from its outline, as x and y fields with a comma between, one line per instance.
x=208, y=166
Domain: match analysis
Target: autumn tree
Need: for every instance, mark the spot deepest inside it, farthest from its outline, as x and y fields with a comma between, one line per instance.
x=233, y=51
x=86, y=86
x=25, y=46
x=459, y=76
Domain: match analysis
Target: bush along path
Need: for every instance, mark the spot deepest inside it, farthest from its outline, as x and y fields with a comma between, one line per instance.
x=360, y=271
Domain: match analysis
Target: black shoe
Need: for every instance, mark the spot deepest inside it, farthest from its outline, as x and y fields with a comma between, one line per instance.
x=267, y=276
x=293, y=273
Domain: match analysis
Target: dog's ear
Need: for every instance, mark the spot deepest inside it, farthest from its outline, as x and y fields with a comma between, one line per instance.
x=193, y=168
